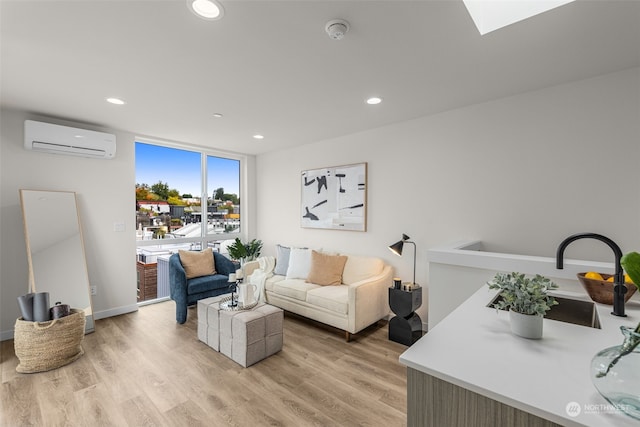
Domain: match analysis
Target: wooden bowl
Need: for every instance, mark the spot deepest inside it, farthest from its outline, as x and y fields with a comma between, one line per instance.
x=602, y=291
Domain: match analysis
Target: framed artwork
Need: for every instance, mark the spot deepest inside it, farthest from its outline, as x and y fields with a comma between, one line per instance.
x=335, y=198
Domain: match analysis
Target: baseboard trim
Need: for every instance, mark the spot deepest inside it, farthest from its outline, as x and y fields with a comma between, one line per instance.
x=154, y=301
x=115, y=311
x=8, y=335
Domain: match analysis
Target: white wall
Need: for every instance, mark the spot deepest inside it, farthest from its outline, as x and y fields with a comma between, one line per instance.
x=105, y=190
x=519, y=173
x=105, y=195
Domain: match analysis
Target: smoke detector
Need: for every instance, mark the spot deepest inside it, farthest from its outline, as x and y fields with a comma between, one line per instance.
x=337, y=28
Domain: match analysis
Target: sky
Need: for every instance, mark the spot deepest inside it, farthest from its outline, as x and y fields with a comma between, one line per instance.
x=180, y=169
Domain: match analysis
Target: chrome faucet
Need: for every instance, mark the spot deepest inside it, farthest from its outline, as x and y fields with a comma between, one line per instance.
x=619, y=288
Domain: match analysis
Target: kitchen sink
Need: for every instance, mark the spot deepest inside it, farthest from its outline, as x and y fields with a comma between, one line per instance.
x=577, y=312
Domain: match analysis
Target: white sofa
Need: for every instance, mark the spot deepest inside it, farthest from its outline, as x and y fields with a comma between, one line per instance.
x=361, y=299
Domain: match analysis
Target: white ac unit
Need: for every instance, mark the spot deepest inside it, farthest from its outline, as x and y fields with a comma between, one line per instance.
x=56, y=139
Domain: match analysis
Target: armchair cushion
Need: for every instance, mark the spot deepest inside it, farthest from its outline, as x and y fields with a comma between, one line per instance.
x=187, y=292
x=207, y=283
x=197, y=264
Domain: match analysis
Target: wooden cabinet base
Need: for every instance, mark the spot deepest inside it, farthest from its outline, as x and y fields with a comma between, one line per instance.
x=432, y=402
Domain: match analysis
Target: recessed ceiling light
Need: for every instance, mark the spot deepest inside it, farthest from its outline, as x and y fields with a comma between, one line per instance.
x=116, y=101
x=258, y=136
x=217, y=115
x=374, y=100
x=206, y=9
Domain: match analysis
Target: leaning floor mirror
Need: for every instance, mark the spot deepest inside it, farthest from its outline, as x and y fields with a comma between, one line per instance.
x=55, y=249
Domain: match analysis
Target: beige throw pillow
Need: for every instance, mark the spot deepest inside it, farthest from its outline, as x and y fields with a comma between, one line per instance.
x=198, y=264
x=326, y=269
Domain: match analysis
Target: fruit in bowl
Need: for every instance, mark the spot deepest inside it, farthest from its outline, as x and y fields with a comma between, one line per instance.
x=627, y=279
x=593, y=275
x=599, y=286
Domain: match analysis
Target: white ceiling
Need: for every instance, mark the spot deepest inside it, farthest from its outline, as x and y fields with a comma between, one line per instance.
x=270, y=68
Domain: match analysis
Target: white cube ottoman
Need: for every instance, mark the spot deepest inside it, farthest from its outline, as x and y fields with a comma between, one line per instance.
x=208, y=321
x=248, y=336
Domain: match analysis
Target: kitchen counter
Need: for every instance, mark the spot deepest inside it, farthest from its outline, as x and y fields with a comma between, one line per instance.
x=474, y=349
x=468, y=265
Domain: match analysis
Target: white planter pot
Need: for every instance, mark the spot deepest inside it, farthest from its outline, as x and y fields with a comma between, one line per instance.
x=526, y=325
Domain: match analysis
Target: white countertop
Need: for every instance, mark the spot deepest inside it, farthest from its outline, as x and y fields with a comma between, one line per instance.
x=474, y=348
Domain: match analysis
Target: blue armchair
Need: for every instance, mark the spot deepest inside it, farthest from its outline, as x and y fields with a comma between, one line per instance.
x=187, y=292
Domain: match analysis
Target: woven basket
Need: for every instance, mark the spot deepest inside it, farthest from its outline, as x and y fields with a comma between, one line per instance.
x=42, y=346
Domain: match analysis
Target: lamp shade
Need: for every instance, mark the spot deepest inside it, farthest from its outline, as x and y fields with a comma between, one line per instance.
x=396, y=248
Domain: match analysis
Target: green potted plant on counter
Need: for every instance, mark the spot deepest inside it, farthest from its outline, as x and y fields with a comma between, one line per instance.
x=526, y=299
x=615, y=370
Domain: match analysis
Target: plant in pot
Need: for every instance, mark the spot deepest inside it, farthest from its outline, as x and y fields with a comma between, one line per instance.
x=244, y=251
x=616, y=370
x=526, y=299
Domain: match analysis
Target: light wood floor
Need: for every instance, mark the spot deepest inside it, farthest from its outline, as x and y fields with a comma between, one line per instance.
x=143, y=369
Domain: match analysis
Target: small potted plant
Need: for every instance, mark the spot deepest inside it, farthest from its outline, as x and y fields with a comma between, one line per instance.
x=244, y=251
x=526, y=299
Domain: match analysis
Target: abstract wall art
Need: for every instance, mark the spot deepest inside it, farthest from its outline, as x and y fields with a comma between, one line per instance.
x=335, y=198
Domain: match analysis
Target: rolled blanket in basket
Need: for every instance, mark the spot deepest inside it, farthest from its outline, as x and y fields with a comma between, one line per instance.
x=42, y=346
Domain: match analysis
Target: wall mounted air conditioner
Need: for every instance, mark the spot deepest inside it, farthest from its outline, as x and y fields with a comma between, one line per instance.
x=56, y=139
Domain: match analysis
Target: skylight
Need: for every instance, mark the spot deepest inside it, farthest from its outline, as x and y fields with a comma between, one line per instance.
x=491, y=15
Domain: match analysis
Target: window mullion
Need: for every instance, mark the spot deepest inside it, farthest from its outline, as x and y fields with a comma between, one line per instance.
x=204, y=201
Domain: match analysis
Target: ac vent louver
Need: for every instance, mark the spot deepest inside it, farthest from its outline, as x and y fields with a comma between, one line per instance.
x=57, y=139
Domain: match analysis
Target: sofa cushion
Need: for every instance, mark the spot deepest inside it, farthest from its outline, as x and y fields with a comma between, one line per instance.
x=293, y=288
x=282, y=260
x=299, y=263
x=333, y=298
x=207, y=283
x=326, y=269
x=271, y=281
x=360, y=268
x=197, y=264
